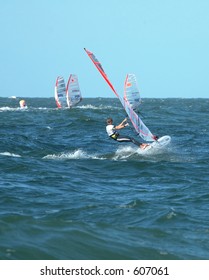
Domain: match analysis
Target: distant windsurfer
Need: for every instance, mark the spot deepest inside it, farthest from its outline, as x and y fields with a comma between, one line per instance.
x=112, y=133
x=22, y=104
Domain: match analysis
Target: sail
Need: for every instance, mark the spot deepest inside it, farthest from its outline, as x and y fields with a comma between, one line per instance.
x=60, y=92
x=73, y=91
x=131, y=92
x=141, y=129
x=138, y=124
x=100, y=69
x=131, y=102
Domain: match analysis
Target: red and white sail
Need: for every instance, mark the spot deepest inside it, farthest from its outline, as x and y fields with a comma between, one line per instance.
x=73, y=94
x=138, y=124
x=100, y=69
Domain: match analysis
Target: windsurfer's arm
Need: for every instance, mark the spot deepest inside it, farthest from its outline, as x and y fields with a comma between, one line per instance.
x=122, y=124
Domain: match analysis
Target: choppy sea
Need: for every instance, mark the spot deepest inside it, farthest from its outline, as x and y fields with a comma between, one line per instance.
x=67, y=191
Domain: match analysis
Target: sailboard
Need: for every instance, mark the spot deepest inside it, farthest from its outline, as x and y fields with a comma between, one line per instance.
x=162, y=142
x=60, y=92
x=73, y=93
x=131, y=92
x=141, y=129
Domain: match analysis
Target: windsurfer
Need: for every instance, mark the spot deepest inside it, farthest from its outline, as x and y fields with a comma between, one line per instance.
x=22, y=104
x=112, y=132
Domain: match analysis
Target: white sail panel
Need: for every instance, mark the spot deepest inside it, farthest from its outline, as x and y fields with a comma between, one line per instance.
x=73, y=91
x=131, y=92
x=60, y=92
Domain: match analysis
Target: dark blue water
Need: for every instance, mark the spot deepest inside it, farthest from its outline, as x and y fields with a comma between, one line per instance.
x=67, y=191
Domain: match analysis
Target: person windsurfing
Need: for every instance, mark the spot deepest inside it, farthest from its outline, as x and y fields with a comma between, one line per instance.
x=22, y=104
x=112, y=133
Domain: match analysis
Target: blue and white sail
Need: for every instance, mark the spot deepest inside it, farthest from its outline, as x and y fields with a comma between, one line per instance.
x=60, y=92
x=141, y=129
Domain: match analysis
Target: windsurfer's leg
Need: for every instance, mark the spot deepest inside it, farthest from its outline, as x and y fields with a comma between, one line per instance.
x=121, y=138
x=143, y=146
x=136, y=142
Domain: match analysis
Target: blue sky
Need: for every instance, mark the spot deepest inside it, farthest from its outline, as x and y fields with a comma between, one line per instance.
x=165, y=43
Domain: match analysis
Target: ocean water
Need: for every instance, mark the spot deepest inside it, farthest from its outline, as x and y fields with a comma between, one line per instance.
x=67, y=191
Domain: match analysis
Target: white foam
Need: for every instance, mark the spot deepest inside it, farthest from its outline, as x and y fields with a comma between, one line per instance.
x=78, y=154
x=9, y=154
x=124, y=152
x=89, y=106
x=6, y=108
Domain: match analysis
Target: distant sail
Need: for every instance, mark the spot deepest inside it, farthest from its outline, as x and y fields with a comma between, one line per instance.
x=131, y=92
x=73, y=91
x=60, y=93
x=23, y=104
x=138, y=124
